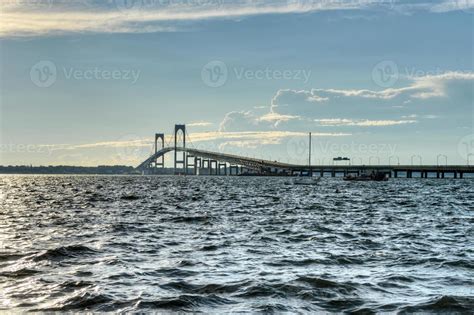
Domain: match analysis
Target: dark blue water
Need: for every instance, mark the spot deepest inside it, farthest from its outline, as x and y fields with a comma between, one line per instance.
x=215, y=244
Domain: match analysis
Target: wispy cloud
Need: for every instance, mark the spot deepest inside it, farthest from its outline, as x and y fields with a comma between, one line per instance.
x=453, y=5
x=272, y=117
x=200, y=124
x=46, y=17
x=362, y=122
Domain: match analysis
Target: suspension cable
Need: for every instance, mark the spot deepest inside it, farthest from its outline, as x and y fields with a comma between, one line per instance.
x=190, y=141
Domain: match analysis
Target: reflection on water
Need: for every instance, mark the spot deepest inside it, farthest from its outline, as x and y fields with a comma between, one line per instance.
x=235, y=244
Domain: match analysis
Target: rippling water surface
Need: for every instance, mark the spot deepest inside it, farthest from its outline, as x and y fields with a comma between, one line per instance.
x=215, y=244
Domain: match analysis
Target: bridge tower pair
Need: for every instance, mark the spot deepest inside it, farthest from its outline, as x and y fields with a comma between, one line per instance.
x=180, y=158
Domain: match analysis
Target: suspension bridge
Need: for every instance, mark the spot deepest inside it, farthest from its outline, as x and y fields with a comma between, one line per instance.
x=192, y=161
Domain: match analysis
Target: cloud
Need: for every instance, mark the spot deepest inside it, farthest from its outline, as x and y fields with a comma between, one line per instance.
x=243, y=120
x=356, y=103
x=275, y=117
x=453, y=5
x=362, y=123
x=424, y=97
x=199, y=124
x=46, y=17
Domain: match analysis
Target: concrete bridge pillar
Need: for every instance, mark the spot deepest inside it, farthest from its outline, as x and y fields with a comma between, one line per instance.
x=235, y=168
x=191, y=165
x=177, y=159
x=220, y=165
x=196, y=159
x=211, y=162
x=160, y=162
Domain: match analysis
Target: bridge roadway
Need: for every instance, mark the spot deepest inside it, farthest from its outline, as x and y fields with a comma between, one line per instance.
x=263, y=166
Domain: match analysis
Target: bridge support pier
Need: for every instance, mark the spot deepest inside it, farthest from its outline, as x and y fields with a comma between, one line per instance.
x=437, y=174
x=220, y=168
x=210, y=167
x=455, y=174
x=461, y=175
x=235, y=168
x=191, y=165
x=395, y=174
x=197, y=165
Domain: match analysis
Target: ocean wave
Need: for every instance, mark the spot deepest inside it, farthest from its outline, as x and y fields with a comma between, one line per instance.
x=442, y=304
x=64, y=252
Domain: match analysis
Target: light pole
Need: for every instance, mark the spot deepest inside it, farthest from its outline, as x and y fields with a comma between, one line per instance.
x=469, y=158
x=374, y=157
x=390, y=159
x=441, y=156
x=360, y=161
x=416, y=156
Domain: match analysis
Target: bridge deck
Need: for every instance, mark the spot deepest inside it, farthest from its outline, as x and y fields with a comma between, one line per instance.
x=262, y=164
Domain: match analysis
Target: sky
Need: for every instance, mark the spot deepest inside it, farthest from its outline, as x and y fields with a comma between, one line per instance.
x=87, y=82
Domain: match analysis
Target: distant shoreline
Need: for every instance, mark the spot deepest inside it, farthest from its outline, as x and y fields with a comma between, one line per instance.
x=69, y=170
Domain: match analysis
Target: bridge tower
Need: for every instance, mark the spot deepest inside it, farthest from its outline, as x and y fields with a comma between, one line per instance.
x=180, y=157
x=159, y=162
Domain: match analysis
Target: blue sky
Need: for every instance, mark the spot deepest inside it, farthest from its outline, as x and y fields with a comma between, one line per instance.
x=90, y=82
